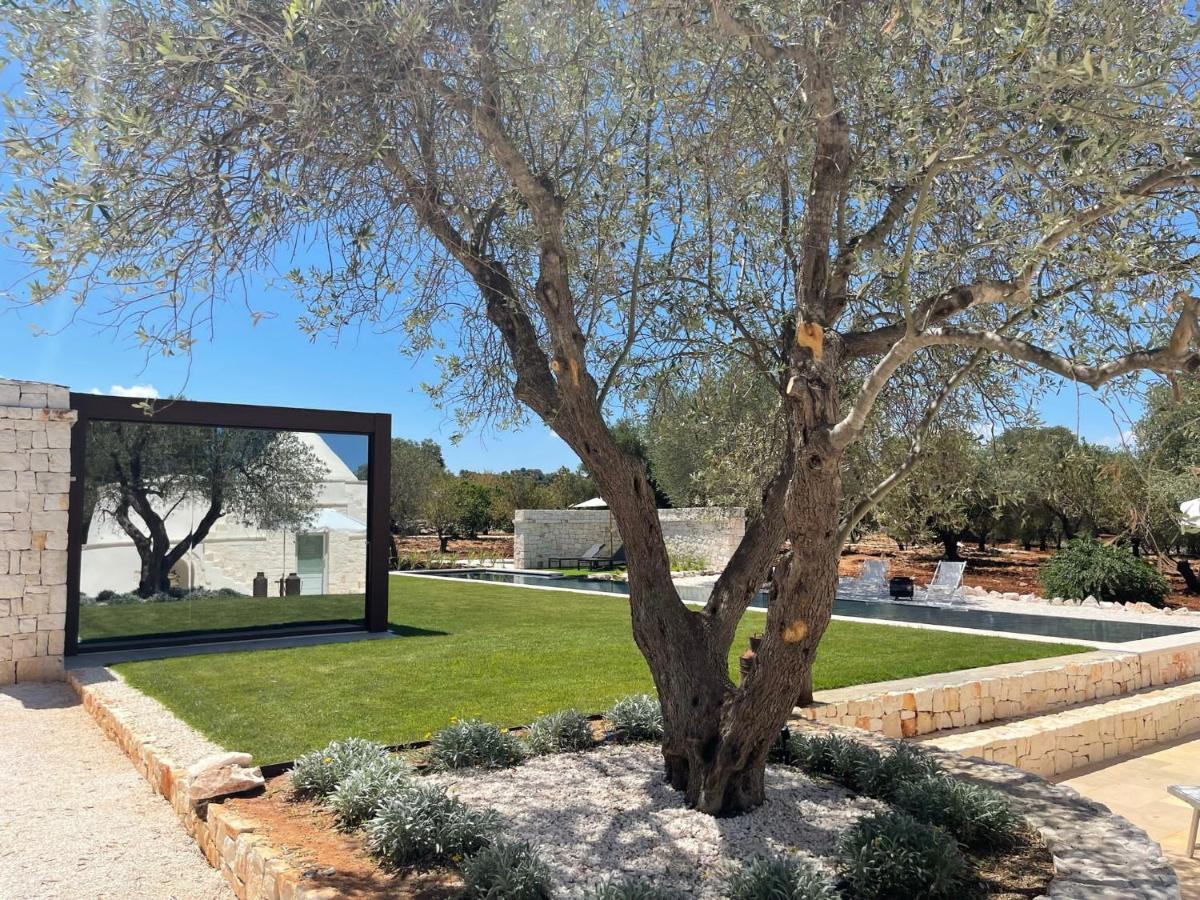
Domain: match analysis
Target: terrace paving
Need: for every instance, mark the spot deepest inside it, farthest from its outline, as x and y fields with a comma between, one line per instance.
x=1135, y=786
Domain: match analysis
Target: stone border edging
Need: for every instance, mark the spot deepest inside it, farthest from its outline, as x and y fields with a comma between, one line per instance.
x=1097, y=854
x=252, y=867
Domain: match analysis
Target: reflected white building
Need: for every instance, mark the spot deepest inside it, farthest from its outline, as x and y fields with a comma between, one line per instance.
x=329, y=555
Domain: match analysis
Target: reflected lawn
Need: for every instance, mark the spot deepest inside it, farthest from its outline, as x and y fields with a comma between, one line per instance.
x=130, y=620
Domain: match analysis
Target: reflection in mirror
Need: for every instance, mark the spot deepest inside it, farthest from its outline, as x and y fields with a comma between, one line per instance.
x=198, y=529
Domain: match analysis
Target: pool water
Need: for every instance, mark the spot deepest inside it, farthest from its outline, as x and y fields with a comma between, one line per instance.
x=1066, y=628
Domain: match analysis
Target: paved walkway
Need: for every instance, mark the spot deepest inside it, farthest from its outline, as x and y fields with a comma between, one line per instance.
x=76, y=820
x=1135, y=786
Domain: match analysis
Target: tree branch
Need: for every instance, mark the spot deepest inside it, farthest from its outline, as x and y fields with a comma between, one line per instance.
x=1178, y=355
x=931, y=311
x=740, y=579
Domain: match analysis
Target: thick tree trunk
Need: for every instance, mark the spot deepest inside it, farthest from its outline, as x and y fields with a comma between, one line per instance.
x=718, y=734
x=950, y=546
x=1189, y=576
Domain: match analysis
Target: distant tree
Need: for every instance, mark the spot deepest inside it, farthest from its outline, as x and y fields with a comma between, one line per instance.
x=473, y=506
x=715, y=443
x=440, y=509
x=949, y=496
x=139, y=474
x=630, y=437
x=567, y=487
x=416, y=465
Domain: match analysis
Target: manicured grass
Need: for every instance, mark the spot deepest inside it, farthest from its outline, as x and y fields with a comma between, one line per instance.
x=215, y=614
x=499, y=653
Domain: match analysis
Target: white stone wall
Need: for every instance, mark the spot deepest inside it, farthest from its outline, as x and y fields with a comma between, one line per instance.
x=234, y=562
x=707, y=533
x=35, y=467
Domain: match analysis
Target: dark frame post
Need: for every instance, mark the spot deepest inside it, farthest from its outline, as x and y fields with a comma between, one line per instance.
x=375, y=426
x=379, y=521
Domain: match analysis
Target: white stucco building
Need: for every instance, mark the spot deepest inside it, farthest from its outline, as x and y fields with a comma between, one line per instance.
x=329, y=555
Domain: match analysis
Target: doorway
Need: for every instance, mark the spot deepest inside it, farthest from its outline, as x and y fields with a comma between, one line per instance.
x=310, y=563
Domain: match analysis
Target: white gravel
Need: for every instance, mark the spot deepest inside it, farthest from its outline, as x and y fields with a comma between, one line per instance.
x=608, y=813
x=76, y=820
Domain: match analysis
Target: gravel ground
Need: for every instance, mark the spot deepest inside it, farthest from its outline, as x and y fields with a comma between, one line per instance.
x=608, y=813
x=76, y=820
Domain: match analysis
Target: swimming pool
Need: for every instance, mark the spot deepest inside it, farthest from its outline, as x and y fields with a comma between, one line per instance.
x=1067, y=628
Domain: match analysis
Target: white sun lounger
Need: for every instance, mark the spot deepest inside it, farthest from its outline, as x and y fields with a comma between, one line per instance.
x=946, y=584
x=871, y=584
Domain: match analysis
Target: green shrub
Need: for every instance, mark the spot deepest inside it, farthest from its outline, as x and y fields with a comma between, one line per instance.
x=561, y=732
x=1086, y=567
x=474, y=744
x=316, y=774
x=978, y=817
x=851, y=763
x=423, y=826
x=506, y=870
x=893, y=855
x=904, y=765
x=779, y=879
x=629, y=889
x=359, y=795
x=636, y=718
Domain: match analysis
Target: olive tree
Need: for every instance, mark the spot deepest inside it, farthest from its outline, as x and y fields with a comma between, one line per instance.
x=138, y=475
x=863, y=204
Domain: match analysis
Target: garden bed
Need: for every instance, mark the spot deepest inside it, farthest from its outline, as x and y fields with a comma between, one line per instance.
x=607, y=815
x=565, y=809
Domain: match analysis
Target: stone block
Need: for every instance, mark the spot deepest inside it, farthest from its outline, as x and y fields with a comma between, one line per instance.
x=24, y=646
x=53, y=482
x=40, y=668
x=12, y=587
x=54, y=567
x=8, y=671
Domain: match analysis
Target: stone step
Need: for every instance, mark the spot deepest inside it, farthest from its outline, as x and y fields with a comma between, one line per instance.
x=1082, y=735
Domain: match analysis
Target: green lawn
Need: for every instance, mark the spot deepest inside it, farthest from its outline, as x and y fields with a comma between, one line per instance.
x=500, y=653
x=214, y=614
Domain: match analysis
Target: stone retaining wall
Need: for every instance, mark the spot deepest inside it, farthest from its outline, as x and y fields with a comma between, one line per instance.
x=254, y=868
x=987, y=695
x=707, y=534
x=1068, y=740
x=35, y=479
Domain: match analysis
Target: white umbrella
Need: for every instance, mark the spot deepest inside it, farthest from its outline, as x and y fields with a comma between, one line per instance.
x=1189, y=521
x=598, y=503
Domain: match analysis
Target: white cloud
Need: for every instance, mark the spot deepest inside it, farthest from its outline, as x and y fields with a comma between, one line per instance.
x=1125, y=440
x=133, y=390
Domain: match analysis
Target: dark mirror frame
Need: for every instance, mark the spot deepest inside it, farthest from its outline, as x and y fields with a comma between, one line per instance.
x=377, y=427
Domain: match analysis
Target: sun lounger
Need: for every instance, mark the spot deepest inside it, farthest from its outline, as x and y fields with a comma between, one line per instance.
x=871, y=583
x=607, y=562
x=946, y=584
x=562, y=562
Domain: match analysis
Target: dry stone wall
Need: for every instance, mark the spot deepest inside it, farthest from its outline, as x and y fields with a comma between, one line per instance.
x=706, y=535
x=35, y=478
